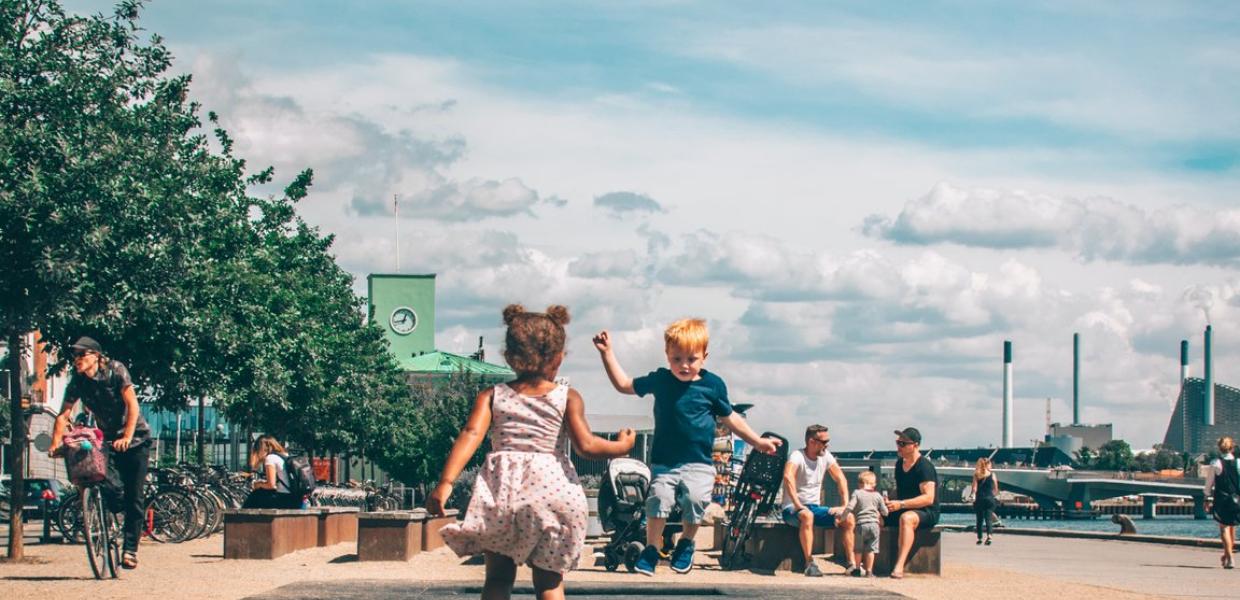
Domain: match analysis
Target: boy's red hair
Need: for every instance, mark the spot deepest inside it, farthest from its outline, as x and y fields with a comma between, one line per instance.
x=687, y=334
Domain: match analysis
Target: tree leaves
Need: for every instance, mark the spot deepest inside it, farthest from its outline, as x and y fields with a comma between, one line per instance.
x=119, y=220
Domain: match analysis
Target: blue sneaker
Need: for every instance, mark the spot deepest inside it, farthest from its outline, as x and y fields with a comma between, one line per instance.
x=647, y=561
x=682, y=556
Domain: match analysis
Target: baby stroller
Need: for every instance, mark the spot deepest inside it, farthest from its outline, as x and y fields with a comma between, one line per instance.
x=622, y=512
x=754, y=495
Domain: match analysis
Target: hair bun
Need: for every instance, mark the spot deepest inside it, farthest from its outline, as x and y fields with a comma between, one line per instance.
x=511, y=312
x=558, y=314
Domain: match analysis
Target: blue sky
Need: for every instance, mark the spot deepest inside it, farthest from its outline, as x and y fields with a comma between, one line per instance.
x=864, y=199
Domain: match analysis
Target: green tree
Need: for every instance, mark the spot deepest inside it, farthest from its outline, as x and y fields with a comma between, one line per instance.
x=1085, y=458
x=119, y=220
x=1115, y=455
x=423, y=428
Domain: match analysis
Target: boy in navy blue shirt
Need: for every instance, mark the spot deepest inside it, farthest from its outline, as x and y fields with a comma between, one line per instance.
x=687, y=400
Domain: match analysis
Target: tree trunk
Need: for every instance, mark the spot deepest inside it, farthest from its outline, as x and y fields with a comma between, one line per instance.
x=202, y=430
x=17, y=449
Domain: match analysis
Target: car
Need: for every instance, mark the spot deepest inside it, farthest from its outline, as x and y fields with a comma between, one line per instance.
x=34, y=505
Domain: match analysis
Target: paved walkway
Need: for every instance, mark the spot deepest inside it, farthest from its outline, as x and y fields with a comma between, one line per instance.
x=1167, y=571
x=393, y=590
x=1027, y=568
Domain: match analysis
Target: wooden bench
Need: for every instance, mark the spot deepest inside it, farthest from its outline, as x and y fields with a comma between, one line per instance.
x=926, y=557
x=390, y=535
x=430, y=530
x=266, y=533
x=336, y=524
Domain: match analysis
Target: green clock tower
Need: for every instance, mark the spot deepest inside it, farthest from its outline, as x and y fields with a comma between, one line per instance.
x=404, y=306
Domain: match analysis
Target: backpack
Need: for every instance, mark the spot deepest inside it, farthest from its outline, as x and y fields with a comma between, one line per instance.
x=301, y=481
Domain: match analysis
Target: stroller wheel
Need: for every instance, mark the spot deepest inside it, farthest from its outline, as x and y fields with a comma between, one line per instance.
x=610, y=562
x=632, y=550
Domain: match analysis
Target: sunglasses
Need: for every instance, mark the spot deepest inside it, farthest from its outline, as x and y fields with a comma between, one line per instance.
x=826, y=442
x=903, y=443
x=81, y=353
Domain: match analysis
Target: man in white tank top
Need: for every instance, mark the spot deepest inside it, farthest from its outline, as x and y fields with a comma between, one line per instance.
x=803, y=476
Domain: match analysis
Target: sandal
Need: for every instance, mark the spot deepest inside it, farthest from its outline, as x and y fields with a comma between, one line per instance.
x=130, y=560
x=897, y=574
x=987, y=540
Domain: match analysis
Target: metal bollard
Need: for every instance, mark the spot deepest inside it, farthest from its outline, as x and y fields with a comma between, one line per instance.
x=47, y=519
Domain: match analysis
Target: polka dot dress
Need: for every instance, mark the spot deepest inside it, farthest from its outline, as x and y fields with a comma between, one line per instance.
x=527, y=502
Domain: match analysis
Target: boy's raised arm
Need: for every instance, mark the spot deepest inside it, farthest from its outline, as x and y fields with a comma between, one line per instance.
x=740, y=427
x=619, y=379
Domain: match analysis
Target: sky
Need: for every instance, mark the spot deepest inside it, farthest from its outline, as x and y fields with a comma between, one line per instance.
x=864, y=200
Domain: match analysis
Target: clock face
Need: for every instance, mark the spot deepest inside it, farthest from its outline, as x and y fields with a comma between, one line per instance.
x=403, y=320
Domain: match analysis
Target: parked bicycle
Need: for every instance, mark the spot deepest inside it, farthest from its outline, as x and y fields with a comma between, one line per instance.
x=365, y=495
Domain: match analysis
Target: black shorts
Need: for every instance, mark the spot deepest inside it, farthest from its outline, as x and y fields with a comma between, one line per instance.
x=928, y=518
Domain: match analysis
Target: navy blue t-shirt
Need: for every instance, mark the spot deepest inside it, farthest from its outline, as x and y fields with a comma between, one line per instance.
x=684, y=415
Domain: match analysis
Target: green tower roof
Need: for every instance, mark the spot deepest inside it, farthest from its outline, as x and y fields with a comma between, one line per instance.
x=446, y=362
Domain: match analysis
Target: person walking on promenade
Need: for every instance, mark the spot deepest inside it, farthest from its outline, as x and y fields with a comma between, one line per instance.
x=916, y=505
x=271, y=485
x=687, y=400
x=105, y=388
x=869, y=507
x=985, y=496
x=1223, y=483
x=528, y=506
x=803, y=476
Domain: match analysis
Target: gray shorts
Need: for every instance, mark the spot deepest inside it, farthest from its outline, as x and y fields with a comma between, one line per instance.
x=867, y=538
x=687, y=486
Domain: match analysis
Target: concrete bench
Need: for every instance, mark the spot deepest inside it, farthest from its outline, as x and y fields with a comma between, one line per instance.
x=776, y=546
x=430, y=530
x=925, y=557
x=265, y=533
x=390, y=535
x=336, y=524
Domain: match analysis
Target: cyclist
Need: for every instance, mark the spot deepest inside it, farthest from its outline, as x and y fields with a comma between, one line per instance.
x=104, y=386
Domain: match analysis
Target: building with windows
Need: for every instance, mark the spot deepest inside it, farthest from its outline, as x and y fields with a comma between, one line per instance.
x=1188, y=429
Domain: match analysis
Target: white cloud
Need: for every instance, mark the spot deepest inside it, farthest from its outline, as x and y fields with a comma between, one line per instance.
x=806, y=320
x=1072, y=82
x=1090, y=229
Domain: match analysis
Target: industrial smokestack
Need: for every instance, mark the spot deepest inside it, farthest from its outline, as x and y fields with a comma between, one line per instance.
x=1183, y=362
x=1007, y=394
x=1208, y=407
x=1076, y=379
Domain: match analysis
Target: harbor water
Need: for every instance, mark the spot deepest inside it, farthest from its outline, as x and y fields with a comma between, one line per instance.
x=1171, y=526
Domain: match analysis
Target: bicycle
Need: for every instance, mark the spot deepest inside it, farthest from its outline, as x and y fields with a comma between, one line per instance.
x=87, y=463
x=753, y=496
x=99, y=529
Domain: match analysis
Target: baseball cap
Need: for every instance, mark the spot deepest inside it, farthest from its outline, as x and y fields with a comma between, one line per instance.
x=910, y=433
x=85, y=343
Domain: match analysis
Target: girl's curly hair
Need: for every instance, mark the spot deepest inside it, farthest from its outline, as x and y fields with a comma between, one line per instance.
x=535, y=341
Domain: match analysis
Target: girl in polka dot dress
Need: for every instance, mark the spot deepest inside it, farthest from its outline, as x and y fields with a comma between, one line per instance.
x=527, y=506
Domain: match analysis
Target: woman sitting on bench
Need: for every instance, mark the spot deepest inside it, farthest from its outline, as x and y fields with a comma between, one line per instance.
x=271, y=484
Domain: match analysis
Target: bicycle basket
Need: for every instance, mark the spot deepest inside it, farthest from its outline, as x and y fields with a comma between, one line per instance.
x=84, y=456
x=765, y=469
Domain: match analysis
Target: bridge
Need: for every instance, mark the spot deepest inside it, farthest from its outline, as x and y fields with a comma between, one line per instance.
x=1066, y=489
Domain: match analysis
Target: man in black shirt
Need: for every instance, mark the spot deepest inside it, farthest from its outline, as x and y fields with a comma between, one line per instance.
x=916, y=505
x=104, y=386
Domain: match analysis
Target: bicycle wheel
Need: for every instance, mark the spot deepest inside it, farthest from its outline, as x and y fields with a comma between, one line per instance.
x=93, y=532
x=172, y=516
x=111, y=531
x=733, y=555
x=69, y=517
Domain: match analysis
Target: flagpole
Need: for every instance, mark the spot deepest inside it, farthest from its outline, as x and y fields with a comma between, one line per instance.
x=396, y=207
